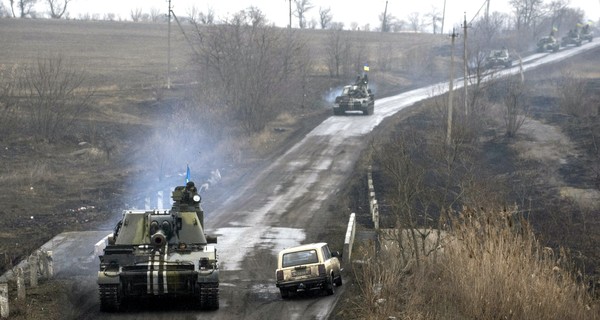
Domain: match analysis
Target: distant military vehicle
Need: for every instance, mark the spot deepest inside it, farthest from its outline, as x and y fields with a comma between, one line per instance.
x=498, y=58
x=586, y=33
x=548, y=43
x=161, y=253
x=356, y=97
x=572, y=38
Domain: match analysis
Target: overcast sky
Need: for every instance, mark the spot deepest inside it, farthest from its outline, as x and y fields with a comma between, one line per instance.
x=346, y=11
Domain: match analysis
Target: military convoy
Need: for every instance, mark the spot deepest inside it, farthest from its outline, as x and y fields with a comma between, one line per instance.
x=355, y=97
x=161, y=253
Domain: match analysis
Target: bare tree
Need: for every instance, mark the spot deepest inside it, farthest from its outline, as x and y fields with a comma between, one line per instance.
x=256, y=16
x=251, y=67
x=516, y=106
x=3, y=11
x=414, y=21
x=199, y=17
x=302, y=6
x=435, y=16
x=55, y=96
x=57, y=8
x=527, y=12
x=208, y=17
x=325, y=17
x=9, y=120
x=335, y=25
x=25, y=7
x=136, y=14
x=335, y=51
x=155, y=14
x=109, y=17
x=398, y=25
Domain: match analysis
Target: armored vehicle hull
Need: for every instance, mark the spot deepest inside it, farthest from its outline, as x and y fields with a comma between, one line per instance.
x=499, y=58
x=548, y=44
x=356, y=97
x=571, y=40
x=160, y=253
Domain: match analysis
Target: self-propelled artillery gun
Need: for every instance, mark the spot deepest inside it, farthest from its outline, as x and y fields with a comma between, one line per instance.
x=160, y=253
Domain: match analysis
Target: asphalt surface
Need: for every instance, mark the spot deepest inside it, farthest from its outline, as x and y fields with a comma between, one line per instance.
x=272, y=210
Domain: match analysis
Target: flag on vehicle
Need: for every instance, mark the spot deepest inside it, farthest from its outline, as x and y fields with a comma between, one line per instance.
x=366, y=67
x=187, y=174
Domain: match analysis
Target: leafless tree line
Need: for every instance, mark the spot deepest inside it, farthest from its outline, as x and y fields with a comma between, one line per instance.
x=256, y=71
x=45, y=98
x=531, y=16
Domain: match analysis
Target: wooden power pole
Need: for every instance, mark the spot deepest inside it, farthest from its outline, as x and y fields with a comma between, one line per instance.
x=451, y=89
x=466, y=65
x=169, y=49
x=384, y=20
x=290, y=12
x=443, y=17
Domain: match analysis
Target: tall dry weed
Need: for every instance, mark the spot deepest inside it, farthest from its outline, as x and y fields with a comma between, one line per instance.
x=495, y=268
x=491, y=267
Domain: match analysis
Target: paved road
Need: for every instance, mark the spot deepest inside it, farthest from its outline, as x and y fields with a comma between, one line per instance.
x=281, y=206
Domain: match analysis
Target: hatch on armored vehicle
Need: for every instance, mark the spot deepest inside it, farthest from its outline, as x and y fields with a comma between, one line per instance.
x=161, y=253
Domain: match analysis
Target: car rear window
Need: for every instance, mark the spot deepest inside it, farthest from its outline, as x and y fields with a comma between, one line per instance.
x=299, y=258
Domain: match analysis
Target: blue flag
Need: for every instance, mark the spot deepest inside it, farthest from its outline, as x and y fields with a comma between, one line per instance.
x=187, y=174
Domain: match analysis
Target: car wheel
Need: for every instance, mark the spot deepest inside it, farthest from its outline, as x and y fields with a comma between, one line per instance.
x=285, y=293
x=338, y=281
x=330, y=288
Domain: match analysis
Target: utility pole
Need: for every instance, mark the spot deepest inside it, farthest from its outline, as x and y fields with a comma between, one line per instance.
x=169, y=49
x=443, y=17
x=290, y=25
x=384, y=20
x=466, y=70
x=487, y=11
x=451, y=89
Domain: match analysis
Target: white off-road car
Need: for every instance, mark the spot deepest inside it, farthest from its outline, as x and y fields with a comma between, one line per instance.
x=308, y=267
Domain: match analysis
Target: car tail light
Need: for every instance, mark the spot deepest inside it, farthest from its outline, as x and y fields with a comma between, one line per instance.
x=322, y=270
x=279, y=275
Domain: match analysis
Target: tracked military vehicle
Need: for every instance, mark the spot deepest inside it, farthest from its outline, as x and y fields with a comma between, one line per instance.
x=355, y=97
x=548, y=43
x=498, y=58
x=161, y=253
x=587, y=34
x=572, y=38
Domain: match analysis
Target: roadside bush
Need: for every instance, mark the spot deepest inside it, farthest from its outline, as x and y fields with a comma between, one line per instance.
x=572, y=96
x=9, y=119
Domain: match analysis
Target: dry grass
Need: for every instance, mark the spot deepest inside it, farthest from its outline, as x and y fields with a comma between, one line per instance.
x=492, y=267
x=496, y=269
